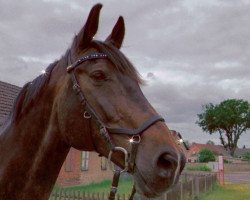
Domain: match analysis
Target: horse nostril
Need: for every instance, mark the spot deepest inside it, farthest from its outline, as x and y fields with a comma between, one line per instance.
x=166, y=165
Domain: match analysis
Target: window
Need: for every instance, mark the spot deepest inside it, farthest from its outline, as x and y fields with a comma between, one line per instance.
x=104, y=163
x=85, y=160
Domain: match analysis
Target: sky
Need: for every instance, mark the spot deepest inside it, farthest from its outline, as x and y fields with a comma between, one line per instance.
x=190, y=52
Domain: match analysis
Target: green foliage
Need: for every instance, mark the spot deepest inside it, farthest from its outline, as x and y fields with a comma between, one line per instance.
x=246, y=156
x=204, y=168
x=205, y=155
x=230, y=119
x=228, y=191
x=125, y=187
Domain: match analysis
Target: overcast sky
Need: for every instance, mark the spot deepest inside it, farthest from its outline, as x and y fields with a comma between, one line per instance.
x=191, y=52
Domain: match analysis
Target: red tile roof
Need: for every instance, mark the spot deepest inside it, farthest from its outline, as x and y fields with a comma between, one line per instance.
x=217, y=149
x=8, y=93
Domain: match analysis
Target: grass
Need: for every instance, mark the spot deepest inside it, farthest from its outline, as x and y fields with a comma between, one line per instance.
x=124, y=187
x=198, y=168
x=228, y=191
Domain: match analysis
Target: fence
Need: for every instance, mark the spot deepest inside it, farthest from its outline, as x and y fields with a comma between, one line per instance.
x=78, y=195
x=190, y=187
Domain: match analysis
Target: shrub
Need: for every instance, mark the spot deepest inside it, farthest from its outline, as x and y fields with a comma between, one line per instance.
x=226, y=161
x=205, y=155
x=198, y=168
x=246, y=156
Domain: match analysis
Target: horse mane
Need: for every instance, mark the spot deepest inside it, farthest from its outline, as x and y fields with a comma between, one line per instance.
x=120, y=61
x=30, y=92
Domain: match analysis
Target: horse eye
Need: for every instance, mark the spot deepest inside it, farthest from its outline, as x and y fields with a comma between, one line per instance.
x=98, y=76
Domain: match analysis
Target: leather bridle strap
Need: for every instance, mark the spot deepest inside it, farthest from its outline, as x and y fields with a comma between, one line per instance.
x=92, y=56
x=90, y=112
x=127, y=131
x=106, y=130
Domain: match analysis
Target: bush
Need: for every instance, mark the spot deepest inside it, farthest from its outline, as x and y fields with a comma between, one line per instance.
x=204, y=168
x=205, y=155
x=227, y=161
x=246, y=156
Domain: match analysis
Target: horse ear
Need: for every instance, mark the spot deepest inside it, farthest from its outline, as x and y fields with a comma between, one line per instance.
x=118, y=32
x=87, y=33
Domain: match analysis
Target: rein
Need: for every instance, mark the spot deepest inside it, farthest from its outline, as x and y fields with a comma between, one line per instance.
x=105, y=131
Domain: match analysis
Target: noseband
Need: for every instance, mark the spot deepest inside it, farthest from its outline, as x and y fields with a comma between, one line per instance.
x=105, y=131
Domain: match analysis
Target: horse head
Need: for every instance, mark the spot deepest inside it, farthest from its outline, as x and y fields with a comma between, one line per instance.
x=100, y=107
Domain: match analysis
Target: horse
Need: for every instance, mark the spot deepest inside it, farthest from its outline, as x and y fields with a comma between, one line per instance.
x=90, y=99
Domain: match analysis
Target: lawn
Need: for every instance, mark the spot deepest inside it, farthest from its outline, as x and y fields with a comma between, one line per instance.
x=228, y=192
x=124, y=187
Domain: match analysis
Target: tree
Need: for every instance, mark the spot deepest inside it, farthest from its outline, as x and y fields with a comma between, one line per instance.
x=230, y=119
x=205, y=155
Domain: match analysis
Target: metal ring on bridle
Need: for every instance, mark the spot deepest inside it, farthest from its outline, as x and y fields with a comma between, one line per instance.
x=125, y=158
x=86, y=115
x=136, y=139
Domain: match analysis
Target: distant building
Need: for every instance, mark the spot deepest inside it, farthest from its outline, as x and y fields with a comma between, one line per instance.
x=79, y=167
x=83, y=167
x=8, y=93
x=192, y=154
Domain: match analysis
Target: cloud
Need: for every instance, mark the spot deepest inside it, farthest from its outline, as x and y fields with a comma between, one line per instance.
x=190, y=52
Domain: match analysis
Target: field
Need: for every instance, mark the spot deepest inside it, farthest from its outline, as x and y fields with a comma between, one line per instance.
x=228, y=192
x=124, y=187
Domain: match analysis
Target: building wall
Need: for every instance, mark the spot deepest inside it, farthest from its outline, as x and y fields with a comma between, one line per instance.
x=94, y=172
x=8, y=94
x=72, y=173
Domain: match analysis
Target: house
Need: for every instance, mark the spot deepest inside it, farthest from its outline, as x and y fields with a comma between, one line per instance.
x=80, y=167
x=83, y=167
x=192, y=154
x=8, y=93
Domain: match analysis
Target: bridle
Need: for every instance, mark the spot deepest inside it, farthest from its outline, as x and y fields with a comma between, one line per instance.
x=105, y=131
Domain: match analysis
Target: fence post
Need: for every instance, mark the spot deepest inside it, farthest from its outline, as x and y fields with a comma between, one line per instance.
x=205, y=183
x=102, y=196
x=78, y=195
x=193, y=192
x=166, y=196
x=93, y=196
x=197, y=187
x=60, y=195
x=55, y=194
x=181, y=187
x=70, y=195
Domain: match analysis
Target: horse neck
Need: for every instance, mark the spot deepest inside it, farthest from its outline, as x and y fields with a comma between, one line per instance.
x=32, y=154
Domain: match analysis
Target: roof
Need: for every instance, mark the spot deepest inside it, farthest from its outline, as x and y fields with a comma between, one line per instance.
x=239, y=152
x=217, y=149
x=8, y=93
